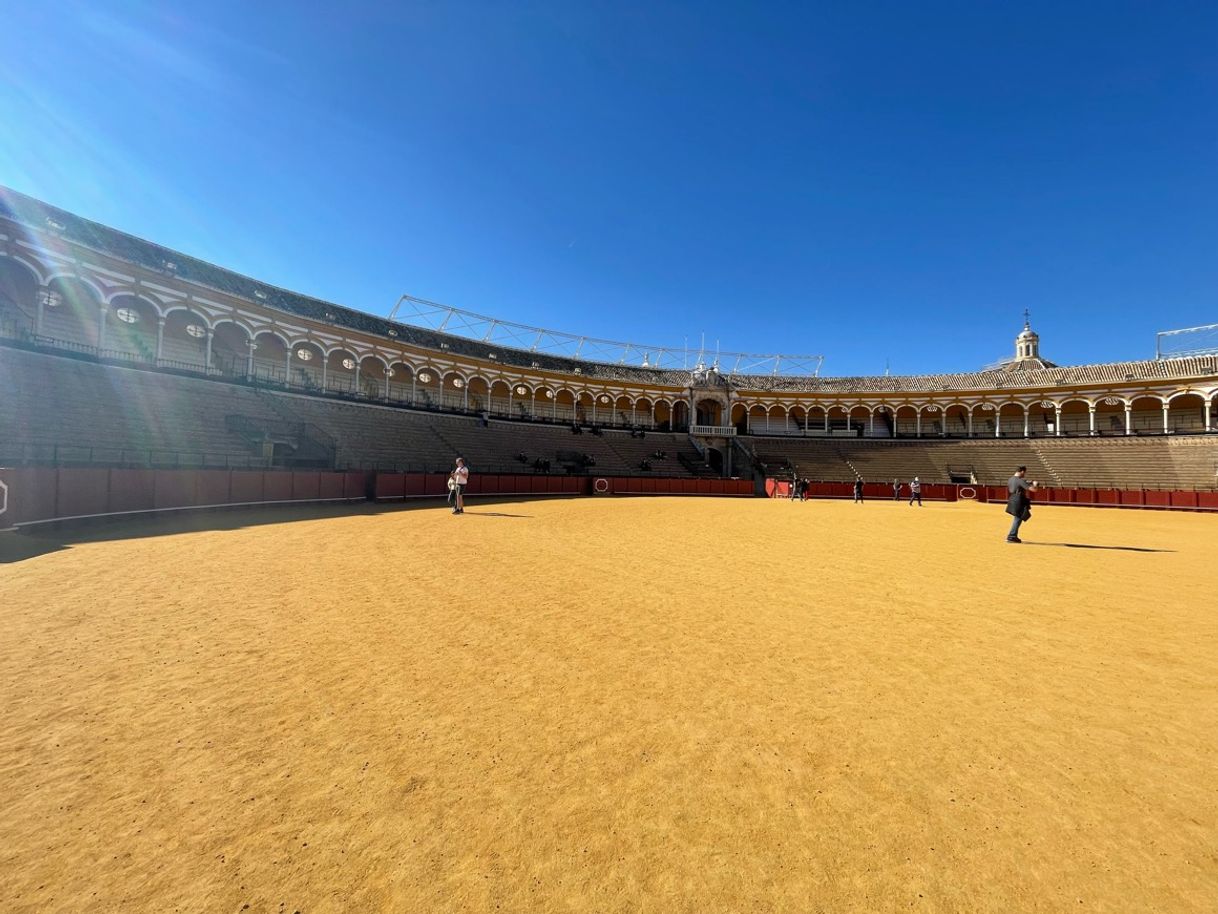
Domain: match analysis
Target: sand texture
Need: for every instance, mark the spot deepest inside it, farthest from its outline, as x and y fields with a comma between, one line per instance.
x=621, y=705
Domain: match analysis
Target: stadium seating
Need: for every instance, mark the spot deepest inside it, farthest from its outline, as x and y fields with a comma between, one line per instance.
x=1163, y=462
x=67, y=410
x=74, y=410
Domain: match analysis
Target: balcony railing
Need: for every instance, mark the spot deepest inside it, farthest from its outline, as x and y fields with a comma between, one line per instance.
x=716, y=431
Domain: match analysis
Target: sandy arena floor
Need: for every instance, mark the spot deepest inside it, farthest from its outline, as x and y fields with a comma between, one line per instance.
x=647, y=705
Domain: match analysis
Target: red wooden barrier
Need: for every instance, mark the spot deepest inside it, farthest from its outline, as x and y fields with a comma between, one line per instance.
x=30, y=495
x=174, y=489
x=245, y=486
x=306, y=484
x=1183, y=499
x=212, y=486
x=276, y=486
x=82, y=492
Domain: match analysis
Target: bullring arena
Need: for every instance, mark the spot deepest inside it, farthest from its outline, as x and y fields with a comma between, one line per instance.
x=250, y=660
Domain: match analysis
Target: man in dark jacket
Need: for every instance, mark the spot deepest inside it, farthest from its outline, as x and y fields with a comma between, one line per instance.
x=858, y=489
x=1018, y=502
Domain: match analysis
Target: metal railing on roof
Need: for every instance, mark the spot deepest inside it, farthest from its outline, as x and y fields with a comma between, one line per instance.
x=419, y=312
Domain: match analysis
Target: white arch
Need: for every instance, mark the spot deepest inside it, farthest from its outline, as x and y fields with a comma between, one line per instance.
x=189, y=310
x=235, y=322
x=29, y=267
x=97, y=290
x=271, y=331
x=1188, y=392
x=153, y=303
x=305, y=341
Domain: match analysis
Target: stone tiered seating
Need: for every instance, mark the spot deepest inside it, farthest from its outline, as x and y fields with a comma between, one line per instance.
x=76, y=411
x=64, y=409
x=1161, y=462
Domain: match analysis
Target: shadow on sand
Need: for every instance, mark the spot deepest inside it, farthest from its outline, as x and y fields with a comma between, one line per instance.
x=1090, y=546
x=47, y=538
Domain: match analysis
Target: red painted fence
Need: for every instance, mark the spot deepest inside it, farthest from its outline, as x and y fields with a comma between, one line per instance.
x=422, y=485
x=32, y=495
x=1180, y=500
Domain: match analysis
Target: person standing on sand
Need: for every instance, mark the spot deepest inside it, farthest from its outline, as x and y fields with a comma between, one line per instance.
x=858, y=490
x=896, y=490
x=1018, y=502
x=915, y=491
x=461, y=478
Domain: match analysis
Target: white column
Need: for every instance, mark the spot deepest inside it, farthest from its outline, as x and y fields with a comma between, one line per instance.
x=918, y=423
x=847, y=420
x=1128, y=418
x=412, y=390
x=101, y=328
x=207, y=354
x=943, y=423
x=358, y=365
x=970, y=422
x=826, y=420
x=42, y=293
x=465, y=396
x=325, y=367
x=160, y=337
x=287, y=366
x=1057, y=422
x=1165, y=418
x=249, y=360
x=871, y=424
x=998, y=422
x=1091, y=420
x=1026, y=414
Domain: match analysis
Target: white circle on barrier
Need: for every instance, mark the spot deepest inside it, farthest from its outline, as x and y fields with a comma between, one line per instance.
x=600, y=486
x=968, y=492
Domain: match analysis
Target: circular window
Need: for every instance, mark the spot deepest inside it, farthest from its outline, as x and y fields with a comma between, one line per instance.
x=520, y=391
x=424, y=377
x=604, y=399
x=549, y=395
x=349, y=364
x=458, y=383
x=51, y=299
x=304, y=354
x=127, y=315
x=196, y=330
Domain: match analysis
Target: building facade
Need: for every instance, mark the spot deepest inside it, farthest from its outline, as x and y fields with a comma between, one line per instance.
x=70, y=284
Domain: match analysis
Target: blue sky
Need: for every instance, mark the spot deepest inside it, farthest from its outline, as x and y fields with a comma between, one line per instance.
x=871, y=181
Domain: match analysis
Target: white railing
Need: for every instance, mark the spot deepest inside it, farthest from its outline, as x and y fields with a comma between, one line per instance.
x=720, y=431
